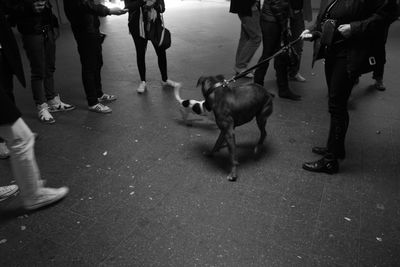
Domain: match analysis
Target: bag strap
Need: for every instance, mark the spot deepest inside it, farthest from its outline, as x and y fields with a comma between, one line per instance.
x=163, y=30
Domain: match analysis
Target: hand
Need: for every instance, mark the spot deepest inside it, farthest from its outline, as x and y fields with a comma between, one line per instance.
x=150, y=2
x=38, y=6
x=345, y=30
x=306, y=35
x=117, y=11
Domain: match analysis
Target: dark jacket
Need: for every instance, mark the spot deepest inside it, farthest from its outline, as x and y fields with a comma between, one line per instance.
x=367, y=17
x=30, y=22
x=296, y=4
x=134, y=13
x=84, y=15
x=242, y=7
x=8, y=111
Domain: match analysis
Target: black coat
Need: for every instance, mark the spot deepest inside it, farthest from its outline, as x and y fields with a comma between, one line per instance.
x=8, y=111
x=134, y=13
x=368, y=16
x=242, y=7
x=84, y=15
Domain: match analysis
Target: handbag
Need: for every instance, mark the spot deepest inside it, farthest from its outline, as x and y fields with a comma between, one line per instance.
x=161, y=36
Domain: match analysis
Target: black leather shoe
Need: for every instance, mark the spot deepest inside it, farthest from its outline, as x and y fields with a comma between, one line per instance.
x=323, y=151
x=326, y=165
x=290, y=95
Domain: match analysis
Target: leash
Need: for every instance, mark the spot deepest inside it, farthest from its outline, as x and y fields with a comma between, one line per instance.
x=244, y=73
x=277, y=53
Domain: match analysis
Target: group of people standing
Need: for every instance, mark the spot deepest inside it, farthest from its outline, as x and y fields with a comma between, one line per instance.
x=349, y=35
x=346, y=49
x=39, y=30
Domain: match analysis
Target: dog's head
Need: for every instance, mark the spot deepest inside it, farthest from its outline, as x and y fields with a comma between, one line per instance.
x=207, y=83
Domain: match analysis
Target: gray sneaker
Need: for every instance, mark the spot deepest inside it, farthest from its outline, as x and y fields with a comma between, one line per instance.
x=45, y=196
x=7, y=191
x=56, y=105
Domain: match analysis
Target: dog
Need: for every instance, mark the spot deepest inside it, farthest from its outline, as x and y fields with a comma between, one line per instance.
x=232, y=107
x=191, y=106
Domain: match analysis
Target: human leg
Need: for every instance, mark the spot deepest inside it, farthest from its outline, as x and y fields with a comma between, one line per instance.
x=21, y=141
x=270, y=39
x=141, y=48
x=250, y=39
x=297, y=27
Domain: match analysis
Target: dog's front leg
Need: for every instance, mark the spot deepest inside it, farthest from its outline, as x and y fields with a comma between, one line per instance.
x=230, y=140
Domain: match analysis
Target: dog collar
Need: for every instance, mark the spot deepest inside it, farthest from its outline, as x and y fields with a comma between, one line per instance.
x=215, y=86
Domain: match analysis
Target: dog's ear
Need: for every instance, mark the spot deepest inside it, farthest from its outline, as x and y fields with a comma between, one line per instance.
x=201, y=81
x=220, y=77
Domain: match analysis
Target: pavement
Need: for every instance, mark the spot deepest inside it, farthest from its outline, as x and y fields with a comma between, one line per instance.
x=142, y=193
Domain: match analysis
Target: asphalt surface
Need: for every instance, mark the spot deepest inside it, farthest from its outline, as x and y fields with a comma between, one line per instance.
x=144, y=194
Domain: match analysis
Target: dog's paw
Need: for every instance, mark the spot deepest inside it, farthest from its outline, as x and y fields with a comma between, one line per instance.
x=231, y=178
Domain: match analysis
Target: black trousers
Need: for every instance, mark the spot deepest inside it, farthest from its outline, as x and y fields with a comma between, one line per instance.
x=141, y=47
x=90, y=53
x=271, y=36
x=6, y=77
x=340, y=85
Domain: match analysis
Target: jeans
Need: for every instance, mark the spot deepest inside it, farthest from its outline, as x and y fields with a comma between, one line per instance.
x=20, y=140
x=340, y=85
x=271, y=34
x=141, y=48
x=90, y=53
x=41, y=52
x=297, y=27
x=250, y=39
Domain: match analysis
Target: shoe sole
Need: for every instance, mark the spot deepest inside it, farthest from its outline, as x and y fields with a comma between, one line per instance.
x=46, y=203
x=9, y=194
x=61, y=110
x=100, y=112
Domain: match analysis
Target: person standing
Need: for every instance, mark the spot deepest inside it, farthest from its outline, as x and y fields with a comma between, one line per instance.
x=83, y=16
x=39, y=29
x=16, y=133
x=143, y=14
x=297, y=26
x=342, y=35
x=274, y=28
x=250, y=33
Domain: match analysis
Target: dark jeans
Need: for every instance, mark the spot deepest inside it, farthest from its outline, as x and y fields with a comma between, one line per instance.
x=297, y=27
x=6, y=79
x=141, y=47
x=340, y=85
x=41, y=52
x=90, y=53
x=380, y=67
x=271, y=35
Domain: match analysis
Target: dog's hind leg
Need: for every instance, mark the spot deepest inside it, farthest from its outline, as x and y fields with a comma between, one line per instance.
x=261, y=123
x=218, y=144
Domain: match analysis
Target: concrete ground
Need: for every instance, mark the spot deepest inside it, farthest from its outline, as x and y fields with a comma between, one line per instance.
x=143, y=194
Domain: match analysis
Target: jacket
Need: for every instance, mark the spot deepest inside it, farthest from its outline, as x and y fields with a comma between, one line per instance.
x=367, y=19
x=242, y=8
x=134, y=7
x=30, y=22
x=84, y=15
x=8, y=111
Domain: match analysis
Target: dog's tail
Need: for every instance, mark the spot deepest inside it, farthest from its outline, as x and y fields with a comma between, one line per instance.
x=176, y=92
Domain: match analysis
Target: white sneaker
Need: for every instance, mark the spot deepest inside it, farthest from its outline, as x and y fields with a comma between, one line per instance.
x=56, y=105
x=298, y=78
x=100, y=108
x=169, y=83
x=45, y=196
x=7, y=191
x=106, y=98
x=4, y=152
x=142, y=88
x=44, y=114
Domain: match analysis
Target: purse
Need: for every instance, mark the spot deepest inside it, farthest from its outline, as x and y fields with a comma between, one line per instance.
x=328, y=31
x=161, y=35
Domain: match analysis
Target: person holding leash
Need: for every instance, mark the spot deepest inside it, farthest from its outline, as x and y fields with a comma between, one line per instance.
x=343, y=35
